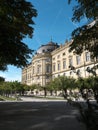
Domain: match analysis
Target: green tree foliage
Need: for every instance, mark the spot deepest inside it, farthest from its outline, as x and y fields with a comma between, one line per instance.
x=12, y=88
x=63, y=83
x=2, y=79
x=17, y=87
x=53, y=86
x=33, y=86
x=5, y=88
x=67, y=83
x=86, y=35
x=15, y=24
x=88, y=84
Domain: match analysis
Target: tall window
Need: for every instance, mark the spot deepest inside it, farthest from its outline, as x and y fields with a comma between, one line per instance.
x=64, y=74
x=47, y=68
x=53, y=67
x=38, y=77
x=87, y=56
x=48, y=60
x=70, y=61
x=47, y=77
x=58, y=65
x=64, y=64
x=58, y=56
x=38, y=69
x=78, y=60
x=33, y=70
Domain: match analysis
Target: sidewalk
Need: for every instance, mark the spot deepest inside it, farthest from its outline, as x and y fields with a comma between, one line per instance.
x=31, y=99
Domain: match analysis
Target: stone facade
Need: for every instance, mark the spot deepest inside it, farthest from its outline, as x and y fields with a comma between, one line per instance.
x=40, y=70
x=52, y=61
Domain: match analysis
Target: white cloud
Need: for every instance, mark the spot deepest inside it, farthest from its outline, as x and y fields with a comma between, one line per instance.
x=12, y=74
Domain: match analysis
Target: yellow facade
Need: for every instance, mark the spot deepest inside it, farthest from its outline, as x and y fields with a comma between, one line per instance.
x=46, y=65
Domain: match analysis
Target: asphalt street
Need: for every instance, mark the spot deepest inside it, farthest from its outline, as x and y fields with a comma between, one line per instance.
x=43, y=115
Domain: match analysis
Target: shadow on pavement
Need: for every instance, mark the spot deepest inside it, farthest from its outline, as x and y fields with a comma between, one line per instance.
x=39, y=116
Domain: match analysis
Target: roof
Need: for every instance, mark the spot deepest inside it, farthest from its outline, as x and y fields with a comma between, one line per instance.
x=49, y=47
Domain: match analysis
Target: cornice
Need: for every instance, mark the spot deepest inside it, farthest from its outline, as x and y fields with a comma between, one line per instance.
x=61, y=48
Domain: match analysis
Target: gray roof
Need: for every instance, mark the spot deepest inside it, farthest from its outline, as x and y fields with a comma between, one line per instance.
x=49, y=47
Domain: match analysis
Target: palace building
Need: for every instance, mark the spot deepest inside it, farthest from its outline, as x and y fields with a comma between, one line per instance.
x=39, y=71
x=52, y=60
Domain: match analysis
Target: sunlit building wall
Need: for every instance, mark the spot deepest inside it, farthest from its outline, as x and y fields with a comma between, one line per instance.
x=52, y=61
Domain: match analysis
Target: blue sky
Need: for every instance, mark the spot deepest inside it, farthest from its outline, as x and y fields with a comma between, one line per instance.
x=53, y=21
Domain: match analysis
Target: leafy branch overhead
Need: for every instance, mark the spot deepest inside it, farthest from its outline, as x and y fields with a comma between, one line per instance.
x=15, y=24
x=87, y=35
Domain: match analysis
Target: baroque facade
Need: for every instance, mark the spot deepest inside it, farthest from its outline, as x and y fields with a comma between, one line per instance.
x=40, y=70
x=52, y=60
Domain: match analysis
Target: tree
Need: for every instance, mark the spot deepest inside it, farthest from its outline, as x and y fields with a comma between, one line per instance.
x=15, y=24
x=17, y=87
x=95, y=87
x=64, y=83
x=67, y=83
x=2, y=79
x=86, y=35
x=33, y=86
x=53, y=86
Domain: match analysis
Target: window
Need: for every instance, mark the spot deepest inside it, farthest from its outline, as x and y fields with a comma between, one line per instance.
x=48, y=60
x=38, y=77
x=64, y=74
x=58, y=75
x=33, y=70
x=58, y=56
x=58, y=65
x=38, y=69
x=47, y=77
x=78, y=60
x=47, y=68
x=87, y=56
x=64, y=64
x=53, y=67
x=70, y=61
x=30, y=76
x=78, y=72
x=38, y=61
x=53, y=76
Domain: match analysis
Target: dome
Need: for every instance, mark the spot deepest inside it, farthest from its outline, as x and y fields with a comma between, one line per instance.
x=51, y=43
x=49, y=47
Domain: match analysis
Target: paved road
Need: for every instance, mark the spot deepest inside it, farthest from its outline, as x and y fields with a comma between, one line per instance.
x=44, y=115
